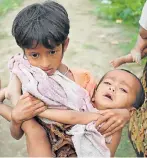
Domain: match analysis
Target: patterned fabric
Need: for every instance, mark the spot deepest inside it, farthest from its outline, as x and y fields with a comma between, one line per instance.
x=62, y=145
x=138, y=124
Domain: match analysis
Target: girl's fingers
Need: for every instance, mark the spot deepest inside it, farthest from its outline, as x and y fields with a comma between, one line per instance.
x=39, y=105
x=102, y=119
x=106, y=126
x=24, y=96
x=112, y=132
x=111, y=128
x=103, y=111
x=40, y=110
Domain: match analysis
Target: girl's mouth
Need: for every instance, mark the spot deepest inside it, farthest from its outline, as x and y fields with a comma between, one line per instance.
x=49, y=71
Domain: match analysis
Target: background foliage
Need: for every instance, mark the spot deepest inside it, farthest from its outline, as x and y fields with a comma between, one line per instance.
x=128, y=11
x=6, y=5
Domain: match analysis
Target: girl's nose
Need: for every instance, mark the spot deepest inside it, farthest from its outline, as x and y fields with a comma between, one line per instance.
x=45, y=64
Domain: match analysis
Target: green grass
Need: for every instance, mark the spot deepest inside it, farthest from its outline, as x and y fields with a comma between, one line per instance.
x=7, y=5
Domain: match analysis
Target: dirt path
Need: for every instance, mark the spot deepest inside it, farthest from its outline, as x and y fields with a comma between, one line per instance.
x=90, y=48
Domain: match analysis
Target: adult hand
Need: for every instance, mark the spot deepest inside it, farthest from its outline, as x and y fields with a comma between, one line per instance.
x=26, y=108
x=113, y=119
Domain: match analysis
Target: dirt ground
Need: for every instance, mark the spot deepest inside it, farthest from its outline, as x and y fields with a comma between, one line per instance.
x=92, y=45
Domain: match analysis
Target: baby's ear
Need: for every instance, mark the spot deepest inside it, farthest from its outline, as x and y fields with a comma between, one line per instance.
x=132, y=110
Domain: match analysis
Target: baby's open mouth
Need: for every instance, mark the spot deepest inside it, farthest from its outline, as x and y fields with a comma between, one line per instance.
x=108, y=96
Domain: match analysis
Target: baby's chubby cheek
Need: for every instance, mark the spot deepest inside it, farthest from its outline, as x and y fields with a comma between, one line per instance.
x=99, y=104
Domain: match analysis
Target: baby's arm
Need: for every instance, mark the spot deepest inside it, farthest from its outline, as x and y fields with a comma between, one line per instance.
x=116, y=137
x=69, y=116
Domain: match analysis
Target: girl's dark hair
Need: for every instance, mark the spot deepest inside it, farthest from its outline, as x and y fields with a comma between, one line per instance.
x=140, y=97
x=45, y=24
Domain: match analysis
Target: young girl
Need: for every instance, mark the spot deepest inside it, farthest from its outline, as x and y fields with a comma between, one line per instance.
x=140, y=49
x=41, y=30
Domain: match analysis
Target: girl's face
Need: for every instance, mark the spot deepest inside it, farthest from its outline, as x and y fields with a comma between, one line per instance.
x=48, y=60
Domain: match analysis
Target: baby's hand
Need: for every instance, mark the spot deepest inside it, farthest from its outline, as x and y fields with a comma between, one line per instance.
x=26, y=108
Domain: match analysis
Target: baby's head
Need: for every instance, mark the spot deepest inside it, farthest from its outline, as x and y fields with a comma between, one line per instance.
x=119, y=89
x=41, y=30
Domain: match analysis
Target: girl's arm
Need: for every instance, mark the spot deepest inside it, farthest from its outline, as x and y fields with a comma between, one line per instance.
x=69, y=116
x=116, y=137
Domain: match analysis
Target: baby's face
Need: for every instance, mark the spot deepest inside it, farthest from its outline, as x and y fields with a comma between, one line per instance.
x=117, y=90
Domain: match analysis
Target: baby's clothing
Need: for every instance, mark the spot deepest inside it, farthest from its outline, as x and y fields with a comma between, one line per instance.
x=58, y=91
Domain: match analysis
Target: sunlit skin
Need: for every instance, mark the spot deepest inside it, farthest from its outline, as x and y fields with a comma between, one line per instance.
x=117, y=90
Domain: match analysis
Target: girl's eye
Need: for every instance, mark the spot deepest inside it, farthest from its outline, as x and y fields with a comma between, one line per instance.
x=108, y=83
x=123, y=90
x=52, y=52
x=35, y=55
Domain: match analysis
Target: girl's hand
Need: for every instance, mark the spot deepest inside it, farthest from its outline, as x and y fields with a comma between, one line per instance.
x=26, y=108
x=113, y=119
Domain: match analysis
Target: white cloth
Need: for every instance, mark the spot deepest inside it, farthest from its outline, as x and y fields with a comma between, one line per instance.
x=88, y=142
x=143, y=18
